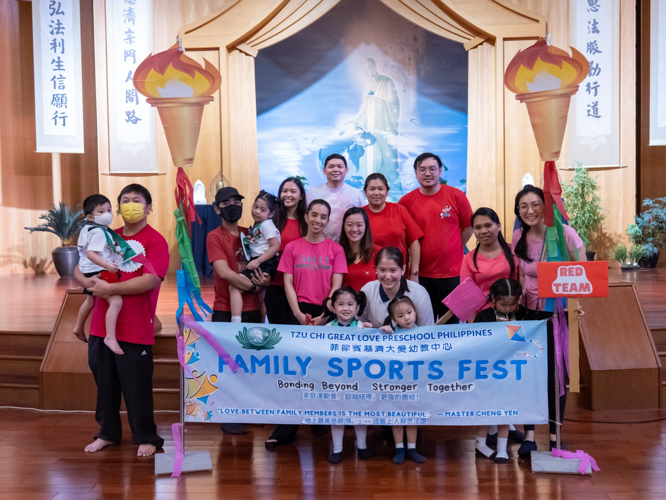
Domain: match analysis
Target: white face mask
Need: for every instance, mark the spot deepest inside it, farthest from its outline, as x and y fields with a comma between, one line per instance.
x=104, y=220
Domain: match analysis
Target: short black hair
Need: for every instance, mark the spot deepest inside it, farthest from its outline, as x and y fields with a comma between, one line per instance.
x=319, y=202
x=424, y=156
x=92, y=202
x=335, y=156
x=138, y=189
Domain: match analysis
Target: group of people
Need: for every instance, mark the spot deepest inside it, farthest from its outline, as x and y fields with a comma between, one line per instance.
x=331, y=258
x=324, y=256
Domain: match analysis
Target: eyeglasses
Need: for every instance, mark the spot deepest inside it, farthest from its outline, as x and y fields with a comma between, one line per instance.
x=525, y=207
x=430, y=170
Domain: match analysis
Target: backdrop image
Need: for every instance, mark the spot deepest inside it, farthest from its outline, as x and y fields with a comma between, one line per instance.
x=368, y=84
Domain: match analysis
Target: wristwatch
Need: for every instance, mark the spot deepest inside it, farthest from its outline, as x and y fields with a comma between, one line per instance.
x=415, y=273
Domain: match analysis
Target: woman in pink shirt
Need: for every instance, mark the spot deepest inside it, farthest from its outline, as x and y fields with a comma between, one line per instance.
x=528, y=245
x=492, y=259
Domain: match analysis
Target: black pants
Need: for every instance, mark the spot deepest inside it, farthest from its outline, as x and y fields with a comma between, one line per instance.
x=439, y=289
x=129, y=374
x=552, y=355
x=277, y=306
x=246, y=317
x=287, y=432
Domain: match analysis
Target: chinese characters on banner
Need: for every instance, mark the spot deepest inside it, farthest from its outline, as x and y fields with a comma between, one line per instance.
x=594, y=120
x=58, y=86
x=658, y=73
x=129, y=40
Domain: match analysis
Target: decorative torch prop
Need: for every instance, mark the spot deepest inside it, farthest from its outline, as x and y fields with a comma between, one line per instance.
x=179, y=87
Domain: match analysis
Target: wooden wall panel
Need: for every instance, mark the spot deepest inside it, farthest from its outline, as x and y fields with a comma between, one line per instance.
x=25, y=176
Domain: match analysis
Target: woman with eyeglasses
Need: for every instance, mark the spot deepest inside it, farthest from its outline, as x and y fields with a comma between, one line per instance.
x=528, y=245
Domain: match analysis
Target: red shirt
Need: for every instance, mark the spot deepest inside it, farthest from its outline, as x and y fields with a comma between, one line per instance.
x=222, y=245
x=394, y=227
x=362, y=272
x=441, y=217
x=287, y=235
x=135, y=321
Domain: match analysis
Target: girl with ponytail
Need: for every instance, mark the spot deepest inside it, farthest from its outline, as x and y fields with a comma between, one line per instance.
x=492, y=259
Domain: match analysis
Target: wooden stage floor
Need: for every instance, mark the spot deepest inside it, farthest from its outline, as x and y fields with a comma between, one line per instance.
x=42, y=457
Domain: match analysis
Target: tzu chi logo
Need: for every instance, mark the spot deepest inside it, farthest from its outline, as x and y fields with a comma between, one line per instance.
x=258, y=338
x=570, y=280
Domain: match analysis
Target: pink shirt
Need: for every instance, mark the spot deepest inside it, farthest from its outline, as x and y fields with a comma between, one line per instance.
x=490, y=270
x=313, y=266
x=534, y=250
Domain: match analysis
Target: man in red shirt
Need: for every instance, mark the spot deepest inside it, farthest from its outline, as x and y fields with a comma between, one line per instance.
x=226, y=255
x=445, y=217
x=129, y=374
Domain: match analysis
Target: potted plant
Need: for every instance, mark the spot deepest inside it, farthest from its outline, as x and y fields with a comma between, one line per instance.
x=65, y=224
x=649, y=230
x=583, y=204
x=629, y=259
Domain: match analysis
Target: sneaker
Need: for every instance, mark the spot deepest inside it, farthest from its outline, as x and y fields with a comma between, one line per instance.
x=365, y=454
x=335, y=458
x=491, y=439
x=526, y=449
x=233, y=429
x=399, y=456
x=414, y=456
x=516, y=436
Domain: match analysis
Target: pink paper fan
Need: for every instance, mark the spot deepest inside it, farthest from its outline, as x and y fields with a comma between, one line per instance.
x=465, y=300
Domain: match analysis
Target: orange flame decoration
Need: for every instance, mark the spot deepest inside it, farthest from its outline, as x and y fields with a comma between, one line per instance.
x=172, y=74
x=543, y=67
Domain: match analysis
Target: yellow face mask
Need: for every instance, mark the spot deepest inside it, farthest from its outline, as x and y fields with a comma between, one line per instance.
x=132, y=212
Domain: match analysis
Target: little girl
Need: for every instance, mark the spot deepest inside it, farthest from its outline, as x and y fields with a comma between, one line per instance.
x=347, y=304
x=505, y=296
x=402, y=313
x=261, y=244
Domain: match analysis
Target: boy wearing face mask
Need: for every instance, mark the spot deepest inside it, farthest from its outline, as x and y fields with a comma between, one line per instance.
x=98, y=253
x=129, y=376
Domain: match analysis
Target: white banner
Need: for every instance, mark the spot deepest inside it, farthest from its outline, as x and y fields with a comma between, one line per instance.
x=132, y=133
x=594, y=120
x=658, y=73
x=56, y=29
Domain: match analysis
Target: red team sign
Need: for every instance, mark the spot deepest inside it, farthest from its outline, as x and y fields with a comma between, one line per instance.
x=573, y=279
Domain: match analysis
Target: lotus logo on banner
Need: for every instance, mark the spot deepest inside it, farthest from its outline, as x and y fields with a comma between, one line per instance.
x=258, y=338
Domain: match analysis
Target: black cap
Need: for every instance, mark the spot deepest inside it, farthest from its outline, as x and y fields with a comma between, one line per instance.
x=227, y=192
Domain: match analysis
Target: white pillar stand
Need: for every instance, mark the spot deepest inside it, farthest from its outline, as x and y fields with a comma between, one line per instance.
x=193, y=461
x=56, y=174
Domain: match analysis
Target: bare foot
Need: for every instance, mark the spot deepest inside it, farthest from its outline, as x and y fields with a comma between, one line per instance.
x=97, y=445
x=146, y=450
x=80, y=335
x=113, y=345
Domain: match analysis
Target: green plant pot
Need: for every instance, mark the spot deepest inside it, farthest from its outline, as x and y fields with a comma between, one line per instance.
x=590, y=255
x=65, y=260
x=630, y=268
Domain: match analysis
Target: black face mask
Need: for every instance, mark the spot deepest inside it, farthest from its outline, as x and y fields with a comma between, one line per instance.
x=231, y=213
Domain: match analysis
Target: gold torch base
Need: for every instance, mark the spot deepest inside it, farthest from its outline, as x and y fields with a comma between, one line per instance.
x=181, y=119
x=548, y=112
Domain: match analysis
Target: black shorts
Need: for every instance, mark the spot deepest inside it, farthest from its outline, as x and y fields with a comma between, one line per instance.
x=269, y=267
x=90, y=275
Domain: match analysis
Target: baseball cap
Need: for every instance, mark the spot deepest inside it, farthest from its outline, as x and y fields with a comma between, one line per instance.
x=227, y=192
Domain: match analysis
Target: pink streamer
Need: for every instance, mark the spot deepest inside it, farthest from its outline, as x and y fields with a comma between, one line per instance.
x=142, y=259
x=190, y=323
x=180, y=455
x=561, y=337
x=585, y=459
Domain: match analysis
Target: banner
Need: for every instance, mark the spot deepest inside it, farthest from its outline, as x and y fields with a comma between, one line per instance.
x=594, y=123
x=476, y=374
x=567, y=279
x=56, y=32
x=132, y=128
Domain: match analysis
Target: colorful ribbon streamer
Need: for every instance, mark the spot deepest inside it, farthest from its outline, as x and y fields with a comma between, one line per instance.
x=185, y=247
x=184, y=194
x=552, y=191
x=212, y=341
x=180, y=453
x=585, y=459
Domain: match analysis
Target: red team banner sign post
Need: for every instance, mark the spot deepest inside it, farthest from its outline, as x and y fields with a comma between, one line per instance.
x=573, y=280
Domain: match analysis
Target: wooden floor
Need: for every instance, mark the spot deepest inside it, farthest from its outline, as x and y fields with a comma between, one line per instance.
x=41, y=457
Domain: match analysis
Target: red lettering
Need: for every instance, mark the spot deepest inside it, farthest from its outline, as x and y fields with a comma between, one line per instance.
x=585, y=288
x=556, y=287
x=573, y=288
x=579, y=271
x=565, y=287
x=563, y=271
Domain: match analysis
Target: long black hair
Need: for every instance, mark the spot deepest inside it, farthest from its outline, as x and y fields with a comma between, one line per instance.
x=280, y=217
x=366, y=244
x=394, y=254
x=521, y=247
x=492, y=215
x=504, y=287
